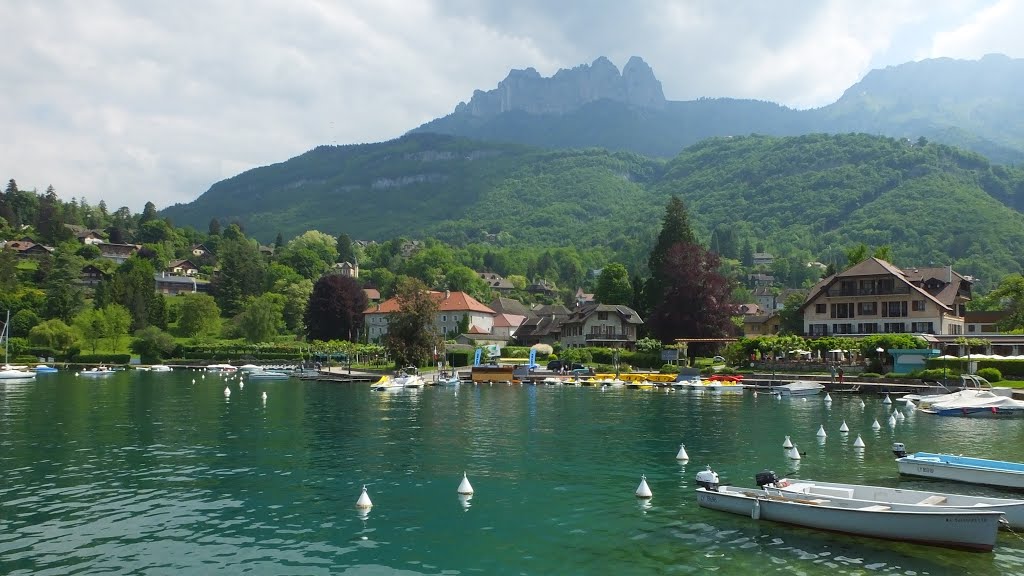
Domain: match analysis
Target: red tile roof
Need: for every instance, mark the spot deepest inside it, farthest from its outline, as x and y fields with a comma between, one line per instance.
x=446, y=302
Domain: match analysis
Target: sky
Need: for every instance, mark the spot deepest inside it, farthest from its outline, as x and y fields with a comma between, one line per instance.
x=131, y=101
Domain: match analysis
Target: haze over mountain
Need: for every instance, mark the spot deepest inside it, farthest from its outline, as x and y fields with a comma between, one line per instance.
x=975, y=104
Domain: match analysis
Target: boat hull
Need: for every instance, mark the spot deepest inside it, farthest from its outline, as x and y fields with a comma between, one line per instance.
x=963, y=469
x=16, y=375
x=1012, y=510
x=268, y=376
x=967, y=530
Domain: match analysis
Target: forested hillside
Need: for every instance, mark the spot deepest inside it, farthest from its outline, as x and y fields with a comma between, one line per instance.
x=803, y=198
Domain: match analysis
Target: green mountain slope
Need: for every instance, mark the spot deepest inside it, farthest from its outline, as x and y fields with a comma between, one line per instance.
x=807, y=196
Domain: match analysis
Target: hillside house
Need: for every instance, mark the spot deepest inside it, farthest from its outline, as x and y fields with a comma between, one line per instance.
x=117, y=253
x=874, y=296
x=542, y=286
x=452, y=309
x=543, y=326
x=756, y=280
x=28, y=249
x=372, y=296
x=607, y=325
x=85, y=235
x=350, y=269
x=761, y=325
x=182, y=268
x=583, y=297
x=170, y=285
x=763, y=259
x=91, y=276
x=200, y=250
x=496, y=282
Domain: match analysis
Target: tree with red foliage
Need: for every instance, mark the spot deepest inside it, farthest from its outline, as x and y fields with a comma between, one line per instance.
x=695, y=301
x=335, y=309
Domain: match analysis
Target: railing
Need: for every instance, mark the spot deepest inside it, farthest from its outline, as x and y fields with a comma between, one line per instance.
x=902, y=290
x=604, y=337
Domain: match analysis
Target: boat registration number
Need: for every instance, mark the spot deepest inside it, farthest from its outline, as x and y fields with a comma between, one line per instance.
x=708, y=498
x=926, y=469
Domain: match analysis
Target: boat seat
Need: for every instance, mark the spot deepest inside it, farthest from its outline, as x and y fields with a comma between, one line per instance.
x=932, y=500
x=875, y=508
x=819, y=501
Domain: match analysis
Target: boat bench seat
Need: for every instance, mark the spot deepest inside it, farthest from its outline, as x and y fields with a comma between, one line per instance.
x=932, y=500
x=875, y=508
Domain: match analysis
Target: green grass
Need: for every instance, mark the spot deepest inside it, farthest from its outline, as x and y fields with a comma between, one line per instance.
x=1010, y=383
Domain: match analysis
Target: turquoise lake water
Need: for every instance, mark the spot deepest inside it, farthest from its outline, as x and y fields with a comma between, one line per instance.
x=144, y=473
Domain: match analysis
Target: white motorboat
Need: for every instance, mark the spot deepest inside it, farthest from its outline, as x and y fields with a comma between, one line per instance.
x=10, y=373
x=959, y=468
x=799, y=388
x=971, y=386
x=227, y=368
x=981, y=404
x=268, y=375
x=160, y=368
x=97, y=371
x=949, y=528
x=452, y=380
x=1013, y=510
x=250, y=368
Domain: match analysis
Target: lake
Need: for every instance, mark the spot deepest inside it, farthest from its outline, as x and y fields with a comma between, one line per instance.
x=148, y=473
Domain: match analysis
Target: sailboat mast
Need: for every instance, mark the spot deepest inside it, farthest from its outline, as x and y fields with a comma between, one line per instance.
x=8, y=338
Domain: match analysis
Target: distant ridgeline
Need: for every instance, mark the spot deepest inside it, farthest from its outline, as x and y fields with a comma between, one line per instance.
x=804, y=196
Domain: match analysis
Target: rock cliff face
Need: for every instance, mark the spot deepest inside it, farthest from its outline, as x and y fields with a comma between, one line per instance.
x=567, y=90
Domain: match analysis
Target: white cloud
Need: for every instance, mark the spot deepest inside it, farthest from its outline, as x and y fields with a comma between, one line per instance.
x=132, y=101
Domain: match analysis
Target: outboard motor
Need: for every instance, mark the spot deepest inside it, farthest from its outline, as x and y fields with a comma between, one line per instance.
x=708, y=479
x=899, y=449
x=765, y=477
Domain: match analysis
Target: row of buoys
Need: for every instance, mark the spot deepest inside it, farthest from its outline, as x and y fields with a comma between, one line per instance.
x=465, y=489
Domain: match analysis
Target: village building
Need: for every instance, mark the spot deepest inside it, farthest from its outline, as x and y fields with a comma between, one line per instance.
x=453, y=309
x=350, y=269
x=170, y=285
x=117, y=253
x=606, y=325
x=182, y=267
x=496, y=282
x=543, y=326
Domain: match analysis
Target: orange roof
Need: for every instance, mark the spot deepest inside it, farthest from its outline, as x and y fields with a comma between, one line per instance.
x=508, y=320
x=446, y=302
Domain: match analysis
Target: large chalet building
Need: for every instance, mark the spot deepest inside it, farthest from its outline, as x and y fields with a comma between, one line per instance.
x=452, y=307
x=874, y=296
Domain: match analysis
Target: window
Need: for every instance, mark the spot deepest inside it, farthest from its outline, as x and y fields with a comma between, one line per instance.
x=922, y=327
x=602, y=315
x=894, y=309
x=918, y=306
x=895, y=327
x=842, y=328
x=444, y=318
x=867, y=328
x=842, y=310
x=819, y=329
x=867, y=308
x=970, y=327
x=820, y=308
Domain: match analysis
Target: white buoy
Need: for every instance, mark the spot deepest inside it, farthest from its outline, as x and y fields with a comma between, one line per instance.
x=794, y=454
x=76, y=374
x=858, y=443
x=887, y=400
x=875, y=425
x=787, y=444
x=911, y=406
x=465, y=487
x=264, y=396
x=227, y=391
x=844, y=428
x=193, y=380
x=755, y=393
x=900, y=417
x=241, y=385
x=643, y=490
x=203, y=376
x=821, y=431
x=682, y=456
x=804, y=399
x=364, y=499
x=892, y=421
x=828, y=398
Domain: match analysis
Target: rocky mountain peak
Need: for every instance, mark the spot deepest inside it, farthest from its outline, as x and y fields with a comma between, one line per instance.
x=569, y=89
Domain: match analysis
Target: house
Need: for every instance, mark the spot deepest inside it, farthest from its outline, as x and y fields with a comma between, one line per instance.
x=874, y=296
x=983, y=321
x=543, y=326
x=410, y=247
x=761, y=325
x=182, y=267
x=199, y=251
x=496, y=282
x=91, y=276
x=766, y=298
x=542, y=286
x=28, y=249
x=594, y=324
x=763, y=259
x=266, y=251
x=170, y=285
x=785, y=294
x=583, y=298
x=757, y=280
x=453, y=308
x=85, y=235
x=350, y=269
x=505, y=326
x=117, y=252
x=752, y=309
x=478, y=340
x=372, y=296
x=502, y=305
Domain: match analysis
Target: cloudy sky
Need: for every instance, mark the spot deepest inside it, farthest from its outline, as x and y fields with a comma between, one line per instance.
x=136, y=100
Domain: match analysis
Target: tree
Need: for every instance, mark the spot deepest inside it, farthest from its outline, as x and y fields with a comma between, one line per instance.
x=335, y=309
x=63, y=294
x=23, y=320
x=883, y=252
x=148, y=213
x=214, y=228
x=8, y=271
x=696, y=300
x=89, y=323
x=198, y=314
x=132, y=286
x=346, y=253
x=261, y=319
x=1010, y=293
x=613, y=286
x=52, y=334
x=278, y=242
x=241, y=275
x=856, y=254
x=296, y=299
x=791, y=318
x=410, y=338
x=675, y=229
x=116, y=322
x=152, y=344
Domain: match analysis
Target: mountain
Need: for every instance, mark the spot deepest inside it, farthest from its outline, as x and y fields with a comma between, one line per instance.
x=806, y=196
x=973, y=104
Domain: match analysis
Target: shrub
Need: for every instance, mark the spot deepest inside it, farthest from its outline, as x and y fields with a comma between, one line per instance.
x=871, y=374
x=669, y=369
x=990, y=374
x=103, y=358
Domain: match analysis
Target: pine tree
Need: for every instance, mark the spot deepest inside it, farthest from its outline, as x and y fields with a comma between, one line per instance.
x=214, y=228
x=675, y=229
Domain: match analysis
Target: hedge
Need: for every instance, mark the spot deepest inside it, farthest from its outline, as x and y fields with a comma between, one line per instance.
x=103, y=359
x=1005, y=367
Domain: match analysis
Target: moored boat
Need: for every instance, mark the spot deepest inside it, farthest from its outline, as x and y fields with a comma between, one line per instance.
x=267, y=375
x=980, y=404
x=97, y=371
x=1013, y=510
x=160, y=368
x=44, y=369
x=970, y=386
x=7, y=372
x=221, y=368
x=799, y=388
x=949, y=528
x=959, y=468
